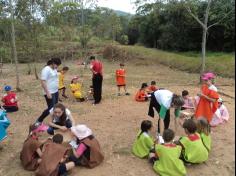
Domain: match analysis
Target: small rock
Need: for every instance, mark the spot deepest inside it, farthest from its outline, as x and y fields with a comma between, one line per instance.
x=217, y=162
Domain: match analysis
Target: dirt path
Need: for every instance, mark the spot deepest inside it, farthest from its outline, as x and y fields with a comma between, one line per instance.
x=116, y=121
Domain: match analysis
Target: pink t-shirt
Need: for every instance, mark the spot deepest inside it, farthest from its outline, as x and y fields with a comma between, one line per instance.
x=81, y=148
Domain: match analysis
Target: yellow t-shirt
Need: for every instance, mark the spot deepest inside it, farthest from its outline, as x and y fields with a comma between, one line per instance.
x=76, y=90
x=61, y=80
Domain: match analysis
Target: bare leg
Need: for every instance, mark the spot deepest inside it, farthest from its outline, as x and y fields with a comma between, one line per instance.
x=118, y=90
x=70, y=165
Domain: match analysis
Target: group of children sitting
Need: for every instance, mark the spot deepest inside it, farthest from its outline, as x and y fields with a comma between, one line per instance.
x=168, y=158
x=53, y=156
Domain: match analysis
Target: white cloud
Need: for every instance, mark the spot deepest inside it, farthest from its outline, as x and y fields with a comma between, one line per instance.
x=123, y=5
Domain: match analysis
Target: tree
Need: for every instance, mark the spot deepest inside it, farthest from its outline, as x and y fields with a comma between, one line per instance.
x=205, y=27
x=14, y=52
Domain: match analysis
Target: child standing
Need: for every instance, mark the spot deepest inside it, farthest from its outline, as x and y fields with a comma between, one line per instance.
x=168, y=154
x=62, y=87
x=31, y=152
x=61, y=119
x=10, y=100
x=143, y=142
x=121, y=79
x=204, y=129
x=194, y=150
x=221, y=115
x=76, y=89
x=141, y=95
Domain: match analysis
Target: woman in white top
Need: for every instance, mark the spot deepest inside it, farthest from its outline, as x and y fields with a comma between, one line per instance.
x=49, y=82
x=162, y=100
x=61, y=119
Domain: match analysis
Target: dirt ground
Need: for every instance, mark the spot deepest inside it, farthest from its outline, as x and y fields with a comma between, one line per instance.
x=115, y=122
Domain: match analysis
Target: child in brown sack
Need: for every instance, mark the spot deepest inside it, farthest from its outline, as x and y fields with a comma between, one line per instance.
x=31, y=152
x=54, y=159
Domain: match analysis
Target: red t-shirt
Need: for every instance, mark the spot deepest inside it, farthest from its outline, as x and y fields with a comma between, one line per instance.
x=97, y=66
x=10, y=99
x=120, y=77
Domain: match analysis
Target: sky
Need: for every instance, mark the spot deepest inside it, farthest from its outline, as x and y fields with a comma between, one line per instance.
x=123, y=5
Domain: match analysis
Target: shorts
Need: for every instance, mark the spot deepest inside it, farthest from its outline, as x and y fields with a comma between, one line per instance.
x=62, y=169
x=123, y=85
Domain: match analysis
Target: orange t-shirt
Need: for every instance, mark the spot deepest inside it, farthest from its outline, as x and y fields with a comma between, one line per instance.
x=120, y=77
x=140, y=95
x=206, y=108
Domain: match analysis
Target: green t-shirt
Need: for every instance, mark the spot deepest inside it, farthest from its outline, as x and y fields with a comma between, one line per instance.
x=163, y=111
x=142, y=145
x=206, y=141
x=194, y=151
x=169, y=163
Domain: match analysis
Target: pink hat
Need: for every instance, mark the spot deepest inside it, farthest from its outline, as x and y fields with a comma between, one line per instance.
x=40, y=128
x=208, y=76
x=76, y=77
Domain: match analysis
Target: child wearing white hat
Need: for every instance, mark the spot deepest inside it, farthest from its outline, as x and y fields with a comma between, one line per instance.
x=87, y=152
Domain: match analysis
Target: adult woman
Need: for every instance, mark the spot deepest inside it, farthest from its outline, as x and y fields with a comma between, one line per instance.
x=162, y=100
x=49, y=82
x=96, y=68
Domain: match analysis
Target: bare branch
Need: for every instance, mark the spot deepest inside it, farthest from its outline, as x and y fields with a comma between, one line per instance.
x=195, y=17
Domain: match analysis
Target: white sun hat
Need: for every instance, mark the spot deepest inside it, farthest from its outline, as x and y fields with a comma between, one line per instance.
x=81, y=131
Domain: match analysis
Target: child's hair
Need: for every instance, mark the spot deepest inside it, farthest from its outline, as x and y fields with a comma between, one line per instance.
x=153, y=83
x=91, y=87
x=32, y=127
x=65, y=68
x=145, y=126
x=92, y=58
x=63, y=116
x=54, y=60
x=75, y=78
x=57, y=138
x=168, y=135
x=185, y=93
x=190, y=126
x=177, y=100
x=144, y=85
x=122, y=64
x=203, y=126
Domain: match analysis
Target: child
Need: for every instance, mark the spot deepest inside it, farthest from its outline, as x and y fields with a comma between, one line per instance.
x=31, y=152
x=208, y=103
x=4, y=124
x=188, y=101
x=120, y=79
x=87, y=152
x=76, y=89
x=10, y=100
x=62, y=87
x=143, y=142
x=54, y=158
x=141, y=95
x=204, y=129
x=90, y=93
x=221, y=115
x=152, y=88
x=168, y=154
x=61, y=119
x=211, y=81
x=194, y=150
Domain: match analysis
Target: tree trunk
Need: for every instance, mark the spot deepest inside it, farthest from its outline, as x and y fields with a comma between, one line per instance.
x=13, y=40
x=204, y=35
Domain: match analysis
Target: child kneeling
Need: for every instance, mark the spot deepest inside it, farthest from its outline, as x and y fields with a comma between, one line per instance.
x=168, y=154
x=87, y=151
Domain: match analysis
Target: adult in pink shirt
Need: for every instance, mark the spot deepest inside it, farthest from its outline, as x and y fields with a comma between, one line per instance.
x=96, y=68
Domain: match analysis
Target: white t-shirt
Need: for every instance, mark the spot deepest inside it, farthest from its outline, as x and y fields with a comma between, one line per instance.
x=213, y=87
x=55, y=119
x=164, y=98
x=51, y=77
